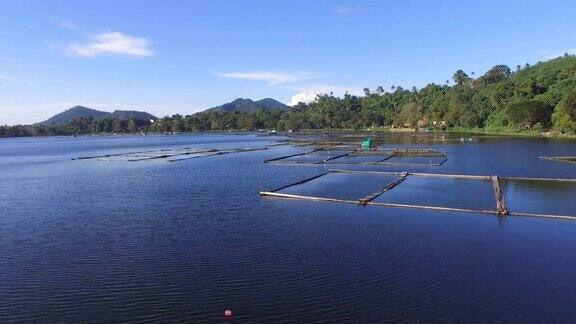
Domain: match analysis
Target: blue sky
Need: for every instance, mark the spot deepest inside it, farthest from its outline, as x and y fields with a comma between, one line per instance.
x=170, y=57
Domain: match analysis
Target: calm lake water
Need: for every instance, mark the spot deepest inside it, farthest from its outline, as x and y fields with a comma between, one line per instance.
x=117, y=241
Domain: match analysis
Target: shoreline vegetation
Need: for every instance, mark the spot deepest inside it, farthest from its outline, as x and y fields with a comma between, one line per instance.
x=367, y=132
x=538, y=100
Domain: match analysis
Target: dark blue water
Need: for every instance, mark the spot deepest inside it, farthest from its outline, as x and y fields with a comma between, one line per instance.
x=97, y=241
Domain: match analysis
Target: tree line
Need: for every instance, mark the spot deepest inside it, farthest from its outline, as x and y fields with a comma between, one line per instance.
x=529, y=98
x=79, y=126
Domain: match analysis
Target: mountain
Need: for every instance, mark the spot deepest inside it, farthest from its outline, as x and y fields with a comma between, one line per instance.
x=271, y=103
x=247, y=105
x=126, y=114
x=76, y=112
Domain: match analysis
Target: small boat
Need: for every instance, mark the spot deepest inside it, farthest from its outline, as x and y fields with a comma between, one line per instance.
x=469, y=139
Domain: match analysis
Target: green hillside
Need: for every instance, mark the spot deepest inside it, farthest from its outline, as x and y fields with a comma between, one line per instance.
x=78, y=112
x=247, y=105
x=527, y=99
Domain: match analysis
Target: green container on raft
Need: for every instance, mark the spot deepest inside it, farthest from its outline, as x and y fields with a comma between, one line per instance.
x=367, y=143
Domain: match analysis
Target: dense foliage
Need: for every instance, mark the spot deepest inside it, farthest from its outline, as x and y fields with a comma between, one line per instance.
x=79, y=126
x=530, y=98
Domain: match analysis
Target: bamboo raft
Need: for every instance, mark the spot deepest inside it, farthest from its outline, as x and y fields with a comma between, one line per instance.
x=500, y=209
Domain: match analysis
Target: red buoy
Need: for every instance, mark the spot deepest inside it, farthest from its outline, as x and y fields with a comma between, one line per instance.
x=228, y=314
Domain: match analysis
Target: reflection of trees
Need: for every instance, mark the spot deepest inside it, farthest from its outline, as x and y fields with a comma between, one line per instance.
x=540, y=185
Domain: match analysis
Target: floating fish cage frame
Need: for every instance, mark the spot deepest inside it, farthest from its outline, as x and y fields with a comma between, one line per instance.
x=388, y=157
x=565, y=159
x=500, y=207
x=169, y=155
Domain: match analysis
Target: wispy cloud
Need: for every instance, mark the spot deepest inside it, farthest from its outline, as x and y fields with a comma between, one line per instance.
x=347, y=10
x=309, y=94
x=9, y=79
x=68, y=25
x=6, y=78
x=273, y=77
x=112, y=43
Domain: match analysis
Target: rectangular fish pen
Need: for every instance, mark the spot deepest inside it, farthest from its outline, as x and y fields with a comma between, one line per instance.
x=168, y=155
x=430, y=191
x=404, y=157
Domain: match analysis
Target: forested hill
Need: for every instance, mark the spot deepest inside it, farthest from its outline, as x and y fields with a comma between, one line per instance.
x=73, y=113
x=523, y=99
x=247, y=105
x=77, y=112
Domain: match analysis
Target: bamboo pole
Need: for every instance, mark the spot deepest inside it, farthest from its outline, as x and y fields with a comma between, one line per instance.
x=293, y=163
x=196, y=157
x=565, y=217
x=407, y=164
x=537, y=179
x=293, y=155
x=210, y=151
x=420, y=174
x=464, y=210
x=333, y=158
x=386, y=158
x=290, y=196
x=366, y=172
x=353, y=163
x=116, y=154
x=222, y=152
x=559, y=158
x=301, y=181
x=388, y=187
x=455, y=176
x=431, y=152
x=165, y=156
x=499, y=195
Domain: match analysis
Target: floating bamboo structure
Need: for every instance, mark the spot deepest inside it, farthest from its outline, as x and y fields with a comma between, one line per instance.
x=500, y=210
x=332, y=158
x=116, y=154
x=565, y=159
x=167, y=154
x=292, y=155
x=387, y=155
x=499, y=195
x=390, y=186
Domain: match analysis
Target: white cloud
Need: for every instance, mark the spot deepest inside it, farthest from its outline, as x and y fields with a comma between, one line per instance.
x=6, y=78
x=112, y=43
x=304, y=96
x=309, y=94
x=347, y=10
x=273, y=78
x=9, y=79
x=68, y=25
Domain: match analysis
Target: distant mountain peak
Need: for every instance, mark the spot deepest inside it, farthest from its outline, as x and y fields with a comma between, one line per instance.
x=248, y=105
x=76, y=112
